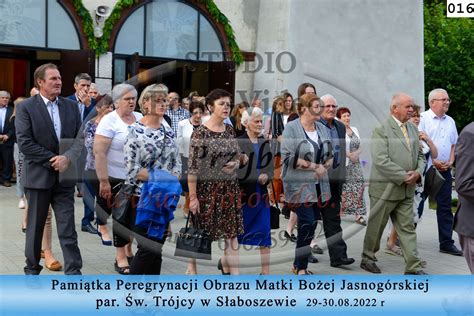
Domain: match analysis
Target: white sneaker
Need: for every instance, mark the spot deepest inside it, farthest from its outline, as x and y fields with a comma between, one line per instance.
x=21, y=203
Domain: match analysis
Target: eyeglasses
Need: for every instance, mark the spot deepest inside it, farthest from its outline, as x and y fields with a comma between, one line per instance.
x=331, y=106
x=443, y=100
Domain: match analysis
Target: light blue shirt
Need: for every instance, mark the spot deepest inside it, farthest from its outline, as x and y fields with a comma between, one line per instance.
x=82, y=107
x=442, y=131
x=53, y=110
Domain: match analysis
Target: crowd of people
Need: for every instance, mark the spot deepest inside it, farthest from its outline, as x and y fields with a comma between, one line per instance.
x=231, y=162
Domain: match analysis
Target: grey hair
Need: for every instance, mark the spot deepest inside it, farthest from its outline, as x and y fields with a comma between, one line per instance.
x=151, y=91
x=328, y=96
x=249, y=113
x=432, y=94
x=120, y=90
x=82, y=76
x=94, y=86
x=4, y=93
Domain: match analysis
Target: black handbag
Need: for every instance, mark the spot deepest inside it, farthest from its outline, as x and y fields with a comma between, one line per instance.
x=193, y=242
x=433, y=182
x=274, y=212
x=122, y=203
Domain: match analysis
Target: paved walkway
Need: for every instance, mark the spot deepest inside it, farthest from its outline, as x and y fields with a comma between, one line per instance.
x=98, y=259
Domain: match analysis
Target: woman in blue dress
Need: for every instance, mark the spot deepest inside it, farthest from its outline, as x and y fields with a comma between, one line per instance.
x=254, y=177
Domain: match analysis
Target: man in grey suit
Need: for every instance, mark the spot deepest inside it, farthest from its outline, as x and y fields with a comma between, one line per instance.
x=397, y=165
x=46, y=129
x=464, y=218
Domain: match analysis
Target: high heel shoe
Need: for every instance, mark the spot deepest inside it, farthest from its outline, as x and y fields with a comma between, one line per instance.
x=220, y=267
x=105, y=242
x=121, y=270
x=291, y=237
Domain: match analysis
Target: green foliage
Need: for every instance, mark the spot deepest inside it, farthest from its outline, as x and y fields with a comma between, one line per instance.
x=101, y=45
x=87, y=24
x=449, y=59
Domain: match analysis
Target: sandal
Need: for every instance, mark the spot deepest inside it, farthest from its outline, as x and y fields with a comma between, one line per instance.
x=317, y=250
x=306, y=272
x=393, y=250
x=54, y=266
x=361, y=221
x=121, y=270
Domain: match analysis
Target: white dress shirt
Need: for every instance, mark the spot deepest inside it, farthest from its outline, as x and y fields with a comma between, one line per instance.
x=3, y=114
x=442, y=132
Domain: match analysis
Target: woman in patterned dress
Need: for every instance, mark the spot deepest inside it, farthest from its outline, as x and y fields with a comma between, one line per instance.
x=104, y=105
x=214, y=156
x=151, y=144
x=353, y=189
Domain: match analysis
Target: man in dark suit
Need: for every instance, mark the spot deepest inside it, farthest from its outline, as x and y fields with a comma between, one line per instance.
x=464, y=218
x=7, y=137
x=86, y=106
x=46, y=128
x=330, y=211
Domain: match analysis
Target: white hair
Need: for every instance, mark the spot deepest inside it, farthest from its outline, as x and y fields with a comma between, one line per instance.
x=434, y=92
x=327, y=97
x=121, y=89
x=4, y=93
x=249, y=113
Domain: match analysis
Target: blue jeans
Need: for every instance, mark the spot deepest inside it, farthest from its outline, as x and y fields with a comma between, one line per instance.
x=443, y=212
x=308, y=215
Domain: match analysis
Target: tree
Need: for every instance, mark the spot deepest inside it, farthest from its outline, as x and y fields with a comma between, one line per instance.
x=449, y=59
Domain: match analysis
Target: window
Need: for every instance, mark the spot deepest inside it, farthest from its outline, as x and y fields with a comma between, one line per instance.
x=169, y=29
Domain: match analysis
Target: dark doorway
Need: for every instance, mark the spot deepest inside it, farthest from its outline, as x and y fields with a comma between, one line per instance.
x=179, y=75
x=18, y=66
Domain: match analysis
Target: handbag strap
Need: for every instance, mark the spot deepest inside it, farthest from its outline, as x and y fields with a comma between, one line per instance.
x=274, y=196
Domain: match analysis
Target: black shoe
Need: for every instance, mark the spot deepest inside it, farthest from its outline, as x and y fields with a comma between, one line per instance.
x=342, y=262
x=312, y=259
x=452, y=250
x=291, y=237
x=317, y=250
x=370, y=267
x=419, y=272
x=89, y=228
x=220, y=267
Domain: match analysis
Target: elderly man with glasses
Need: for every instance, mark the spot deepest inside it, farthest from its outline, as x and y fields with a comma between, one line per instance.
x=330, y=211
x=441, y=128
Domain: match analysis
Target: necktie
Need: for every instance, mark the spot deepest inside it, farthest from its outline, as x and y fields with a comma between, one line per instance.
x=405, y=133
x=52, y=113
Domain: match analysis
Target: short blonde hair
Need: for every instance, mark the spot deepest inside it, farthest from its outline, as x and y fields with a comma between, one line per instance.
x=150, y=92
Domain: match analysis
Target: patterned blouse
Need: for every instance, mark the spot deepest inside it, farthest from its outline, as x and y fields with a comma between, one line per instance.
x=89, y=133
x=150, y=148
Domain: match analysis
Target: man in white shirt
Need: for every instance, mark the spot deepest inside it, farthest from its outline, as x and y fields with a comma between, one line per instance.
x=441, y=128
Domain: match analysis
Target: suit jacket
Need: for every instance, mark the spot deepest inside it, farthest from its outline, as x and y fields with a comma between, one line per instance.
x=464, y=218
x=247, y=174
x=89, y=111
x=300, y=185
x=38, y=142
x=9, y=128
x=391, y=159
x=337, y=176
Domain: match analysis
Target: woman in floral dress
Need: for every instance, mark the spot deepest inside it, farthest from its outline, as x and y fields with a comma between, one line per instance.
x=353, y=189
x=214, y=156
